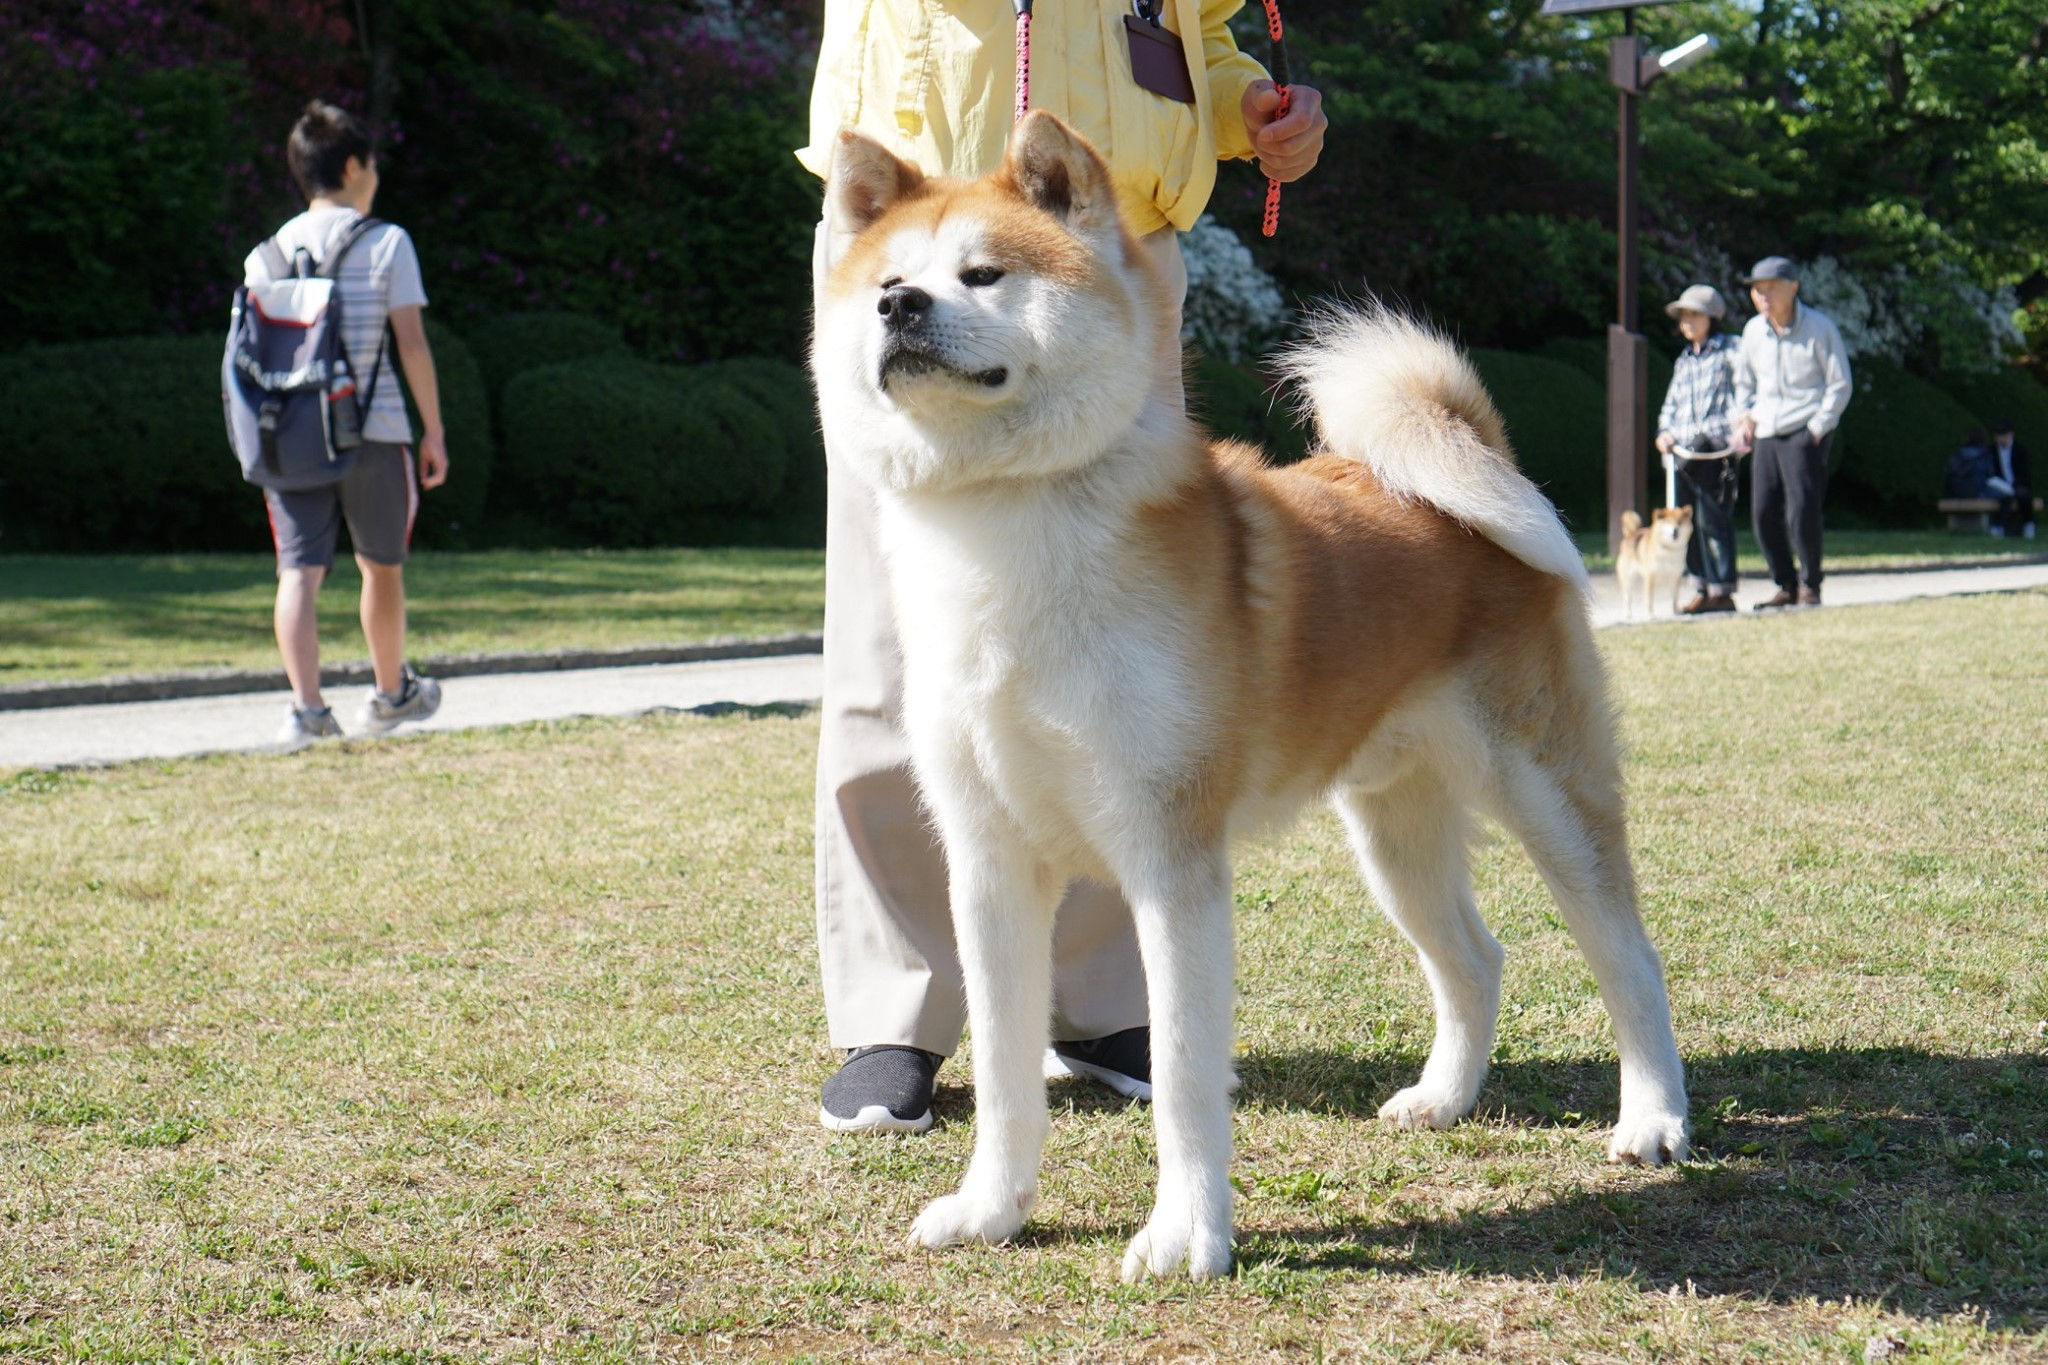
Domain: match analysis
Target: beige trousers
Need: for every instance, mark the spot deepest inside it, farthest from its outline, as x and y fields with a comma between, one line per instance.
x=885, y=933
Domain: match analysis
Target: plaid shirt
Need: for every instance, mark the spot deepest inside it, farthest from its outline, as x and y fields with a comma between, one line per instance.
x=1699, y=407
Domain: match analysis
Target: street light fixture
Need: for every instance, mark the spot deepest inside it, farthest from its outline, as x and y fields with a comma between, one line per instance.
x=1631, y=71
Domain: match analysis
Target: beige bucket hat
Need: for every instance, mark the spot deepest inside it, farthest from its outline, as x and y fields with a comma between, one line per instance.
x=1698, y=298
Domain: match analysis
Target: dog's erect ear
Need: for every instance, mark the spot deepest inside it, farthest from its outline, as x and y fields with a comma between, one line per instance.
x=866, y=179
x=1052, y=168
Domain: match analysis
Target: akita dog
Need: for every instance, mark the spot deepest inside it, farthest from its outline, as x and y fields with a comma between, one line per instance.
x=1125, y=644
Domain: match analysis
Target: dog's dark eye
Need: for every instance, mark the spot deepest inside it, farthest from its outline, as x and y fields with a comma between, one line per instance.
x=980, y=277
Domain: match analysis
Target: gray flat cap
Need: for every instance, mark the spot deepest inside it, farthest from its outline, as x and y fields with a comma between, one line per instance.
x=1773, y=268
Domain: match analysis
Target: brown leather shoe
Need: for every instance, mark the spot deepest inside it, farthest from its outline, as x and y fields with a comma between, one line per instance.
x=1776, y=601
x=1719, y=601
x=1809, y=597
x=1697, y=605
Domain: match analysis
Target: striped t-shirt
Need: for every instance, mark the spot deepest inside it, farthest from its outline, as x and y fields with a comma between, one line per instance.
x=381, y=273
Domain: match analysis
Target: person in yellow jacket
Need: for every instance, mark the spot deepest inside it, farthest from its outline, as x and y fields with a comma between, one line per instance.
x=933, y=81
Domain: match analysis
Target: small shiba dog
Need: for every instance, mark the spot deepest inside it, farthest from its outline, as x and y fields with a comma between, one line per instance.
x=1125, y=644
x=1653, y=556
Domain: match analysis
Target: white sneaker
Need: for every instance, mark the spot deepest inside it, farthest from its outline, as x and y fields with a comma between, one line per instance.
x=302, y=728
x=417, y=699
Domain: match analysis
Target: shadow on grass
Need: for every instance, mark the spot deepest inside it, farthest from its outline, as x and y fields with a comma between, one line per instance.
x=1885, y=1174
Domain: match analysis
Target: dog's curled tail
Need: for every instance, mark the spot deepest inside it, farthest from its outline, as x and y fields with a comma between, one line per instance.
x=1631, y=522
x=1396, y=395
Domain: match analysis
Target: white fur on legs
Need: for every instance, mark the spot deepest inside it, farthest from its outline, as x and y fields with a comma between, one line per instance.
x=1003, y=903
x=1584, y=860
x=1411, y=839
x=1183, y=919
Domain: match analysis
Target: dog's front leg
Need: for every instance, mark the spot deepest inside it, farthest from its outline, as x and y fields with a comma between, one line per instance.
x=1183, y=920
x=1003, y=904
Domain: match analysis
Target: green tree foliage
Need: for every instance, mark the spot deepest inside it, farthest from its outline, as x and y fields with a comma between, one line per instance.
x=1471, y=162
x=1556, y=419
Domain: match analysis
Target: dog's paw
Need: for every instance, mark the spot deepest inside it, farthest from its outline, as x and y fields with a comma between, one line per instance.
x=1649, y=1140
x=1421, y=1106
x=965, y=1217
x=1172, y=1244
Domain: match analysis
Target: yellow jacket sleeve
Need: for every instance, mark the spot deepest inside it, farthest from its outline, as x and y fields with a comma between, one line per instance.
x=1230, y=73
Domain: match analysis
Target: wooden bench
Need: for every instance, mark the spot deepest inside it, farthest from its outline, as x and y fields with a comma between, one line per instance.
x=1971, y=514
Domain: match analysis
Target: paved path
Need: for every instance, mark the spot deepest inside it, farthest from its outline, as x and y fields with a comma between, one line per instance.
x=249, y=722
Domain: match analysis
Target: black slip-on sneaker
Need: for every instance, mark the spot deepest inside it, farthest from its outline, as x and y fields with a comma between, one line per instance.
x=885, y=1089
x=1122, y=1061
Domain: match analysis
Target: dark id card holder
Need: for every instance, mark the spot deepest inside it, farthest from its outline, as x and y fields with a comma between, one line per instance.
x=1157, y=62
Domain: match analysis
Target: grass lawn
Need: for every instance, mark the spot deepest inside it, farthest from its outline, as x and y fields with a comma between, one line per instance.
x=1851, y=551
x=506, y=1046
x=72, y=617
x=88, y=616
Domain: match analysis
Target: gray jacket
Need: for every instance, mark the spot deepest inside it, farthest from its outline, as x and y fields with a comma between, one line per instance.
x=1799, y=379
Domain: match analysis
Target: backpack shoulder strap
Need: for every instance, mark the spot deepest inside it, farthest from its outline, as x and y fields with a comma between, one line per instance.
x=361, y=228
x=273, y=258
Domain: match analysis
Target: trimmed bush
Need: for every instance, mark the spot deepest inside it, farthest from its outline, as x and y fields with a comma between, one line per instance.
x=1233, y=401
x=627, y=452
x=1894, y=438
x=784, y=391
x=2011, y=395
x=121, y=446
x=1557, y=421
x=452, y=516
x=517, y=342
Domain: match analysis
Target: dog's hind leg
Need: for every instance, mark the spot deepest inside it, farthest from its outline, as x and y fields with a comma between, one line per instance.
x=1411, y=839
x=1181, y=906
x=1561, y=796
x=1003, y=903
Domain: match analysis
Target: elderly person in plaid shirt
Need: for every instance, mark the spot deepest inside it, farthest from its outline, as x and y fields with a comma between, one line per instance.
x=1699, y=415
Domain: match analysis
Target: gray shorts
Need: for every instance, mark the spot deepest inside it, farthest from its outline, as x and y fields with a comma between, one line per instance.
x=379, y=499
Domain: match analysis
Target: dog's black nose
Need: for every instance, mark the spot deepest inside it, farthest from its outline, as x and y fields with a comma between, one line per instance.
x=903, y=305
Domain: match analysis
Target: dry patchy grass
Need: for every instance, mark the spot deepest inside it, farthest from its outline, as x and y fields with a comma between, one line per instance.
x=507, y=1046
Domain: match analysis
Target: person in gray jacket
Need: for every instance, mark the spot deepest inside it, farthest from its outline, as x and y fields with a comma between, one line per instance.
x=1792, y=384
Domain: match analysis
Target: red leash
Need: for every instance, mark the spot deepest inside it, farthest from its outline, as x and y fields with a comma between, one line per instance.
x=1278, y=66
x=1023, y=8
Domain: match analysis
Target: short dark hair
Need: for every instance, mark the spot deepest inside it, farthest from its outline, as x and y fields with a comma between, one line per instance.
x=322, y=141
x=2002, y=427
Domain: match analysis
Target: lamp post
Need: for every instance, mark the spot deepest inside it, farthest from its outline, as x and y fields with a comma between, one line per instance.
x=1631, y=71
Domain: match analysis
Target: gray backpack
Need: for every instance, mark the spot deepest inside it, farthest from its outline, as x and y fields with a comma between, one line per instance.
x=294, y=417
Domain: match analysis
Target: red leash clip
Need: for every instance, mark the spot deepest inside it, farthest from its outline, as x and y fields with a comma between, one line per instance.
x=1278, y=66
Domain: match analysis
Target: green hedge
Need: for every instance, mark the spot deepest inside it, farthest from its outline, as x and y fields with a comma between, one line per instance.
x=1231, y=401
x=798, y=515
x=627, y=452
x=452, y=516
x=2011, y=395
x=119, y=446
x=1588, y=355
x=1557, y=421
x=1895, y=436
x=517, y=342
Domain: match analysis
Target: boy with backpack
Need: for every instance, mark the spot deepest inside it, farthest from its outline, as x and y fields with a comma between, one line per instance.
x=318, y=419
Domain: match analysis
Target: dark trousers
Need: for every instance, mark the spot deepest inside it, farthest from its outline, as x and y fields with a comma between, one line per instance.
x=1788, y=483
x=1709, y=487
x=2016, y=511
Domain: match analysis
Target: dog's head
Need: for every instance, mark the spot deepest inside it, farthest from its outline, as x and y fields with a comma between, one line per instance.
x=1672, y=525
x=971, y=331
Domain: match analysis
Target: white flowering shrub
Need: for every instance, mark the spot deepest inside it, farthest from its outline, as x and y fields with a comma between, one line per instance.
x=1233, y=308
x=1937, y=308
